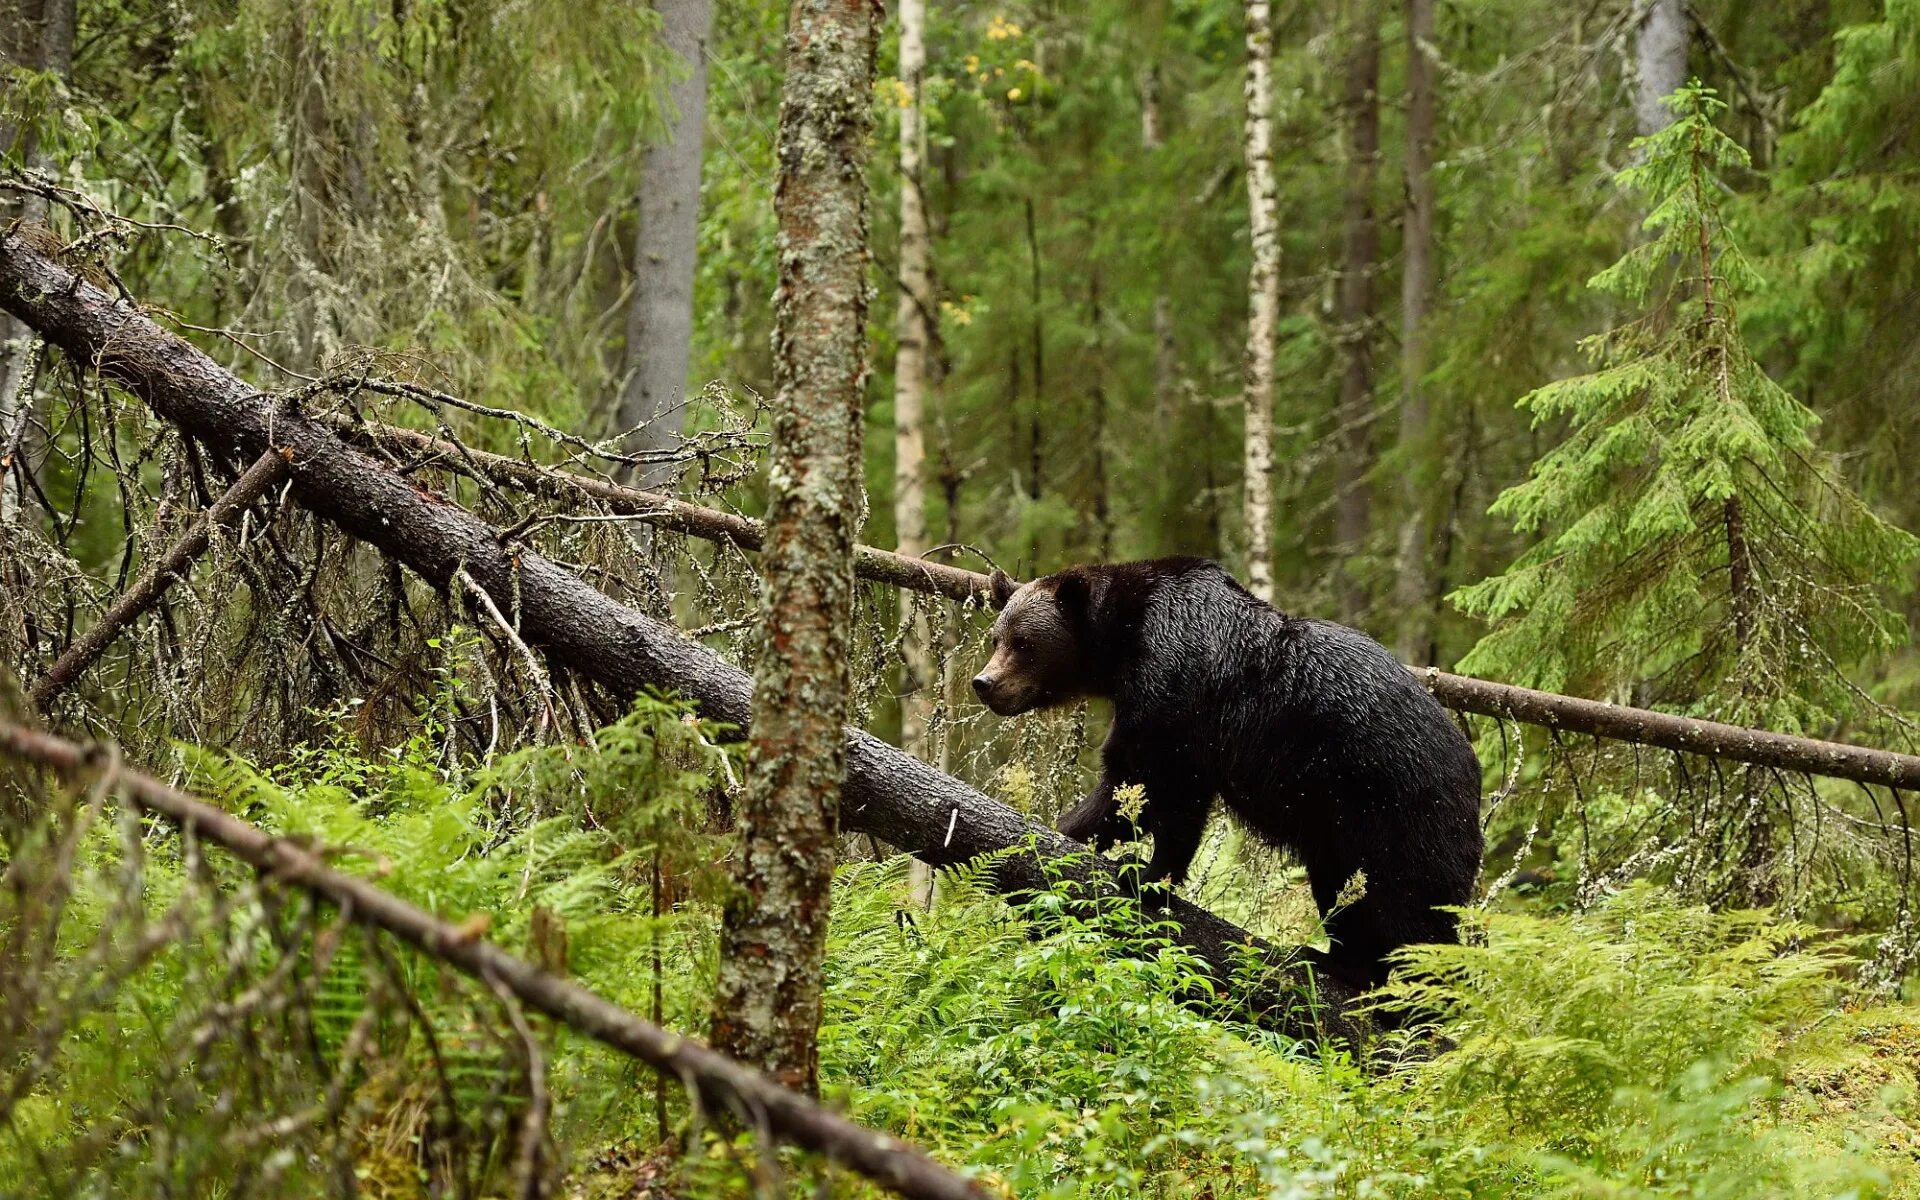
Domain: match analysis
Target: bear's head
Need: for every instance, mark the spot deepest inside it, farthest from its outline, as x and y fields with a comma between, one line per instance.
x=1039, y=656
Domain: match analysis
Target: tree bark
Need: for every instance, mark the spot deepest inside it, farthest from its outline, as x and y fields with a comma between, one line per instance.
x=1263, y=301
x=773, y=934
x=913, y=334
x=1353, y=505
x=720, y=1084
x=888, y=794
x=1412, y=571
x=654, y=366
x=1660, y=61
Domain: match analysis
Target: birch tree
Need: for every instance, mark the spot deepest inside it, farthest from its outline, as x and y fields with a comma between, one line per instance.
x=1263, y=301
x=913, y=334
x=660, y=317
x=773, y=934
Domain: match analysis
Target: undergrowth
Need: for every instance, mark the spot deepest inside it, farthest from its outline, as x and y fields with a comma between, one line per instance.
x=1642, y=1048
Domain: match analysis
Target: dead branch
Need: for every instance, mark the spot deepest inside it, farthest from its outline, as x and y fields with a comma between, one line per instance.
x=719, y=1081
x=270, y=468
x=1571, y=714
x=663, y=512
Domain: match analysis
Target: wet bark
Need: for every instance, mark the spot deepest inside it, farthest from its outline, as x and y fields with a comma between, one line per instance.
x=1412, y=559
x=660, y=318
x=1263, y=302
x=774, y=930
x=1360, y=236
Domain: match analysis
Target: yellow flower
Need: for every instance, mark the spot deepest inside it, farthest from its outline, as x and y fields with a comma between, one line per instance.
x=973, y=63
x=1000, y=29
x=1013, y=93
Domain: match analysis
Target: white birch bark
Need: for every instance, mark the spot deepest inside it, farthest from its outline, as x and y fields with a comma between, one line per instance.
x=1263, y=302
x=913, y=334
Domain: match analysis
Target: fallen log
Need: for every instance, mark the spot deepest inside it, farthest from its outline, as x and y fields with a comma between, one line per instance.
x=720, y=1083
x=1571, y=714
x=888, y=794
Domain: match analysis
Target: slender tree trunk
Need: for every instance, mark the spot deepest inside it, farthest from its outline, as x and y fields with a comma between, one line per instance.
x=653, y=372
x=1416, y=290
x=1263, y=301
x=1164, y=360
x=1096, y=375
x=773, y=934
x=913, y=335
x=1035, y=459
x=1360, y=241
x=1660, y=60
x=37, y=35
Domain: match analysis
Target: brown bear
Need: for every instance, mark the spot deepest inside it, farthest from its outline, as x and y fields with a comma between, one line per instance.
x=1311, y=733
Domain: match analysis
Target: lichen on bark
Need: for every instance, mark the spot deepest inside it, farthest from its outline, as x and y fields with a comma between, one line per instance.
x=773, y=938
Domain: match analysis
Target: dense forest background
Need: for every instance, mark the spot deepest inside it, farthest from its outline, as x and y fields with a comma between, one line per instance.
x=1567, y=346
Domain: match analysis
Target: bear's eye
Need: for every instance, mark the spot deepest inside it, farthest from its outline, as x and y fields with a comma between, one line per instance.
x=1019, y=643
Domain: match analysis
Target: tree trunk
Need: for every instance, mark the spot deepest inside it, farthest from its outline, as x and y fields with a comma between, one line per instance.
x=774, y=931
x=1097, y=385
x=913, y=335
x=1360, y=239
x=1263, y=301
x=1416, y=289
x=1660, y=61
x=653, y=371
x=35, y=35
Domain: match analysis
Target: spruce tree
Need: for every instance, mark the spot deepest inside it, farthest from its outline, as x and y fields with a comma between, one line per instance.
x=1694, y=548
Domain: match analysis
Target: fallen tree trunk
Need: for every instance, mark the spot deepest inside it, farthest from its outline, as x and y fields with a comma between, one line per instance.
x=1572, y=714
x=719, y=1082
x=888, y=794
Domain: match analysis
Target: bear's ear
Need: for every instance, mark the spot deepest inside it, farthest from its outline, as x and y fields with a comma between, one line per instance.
x=1002, y=587
x=1073, y=594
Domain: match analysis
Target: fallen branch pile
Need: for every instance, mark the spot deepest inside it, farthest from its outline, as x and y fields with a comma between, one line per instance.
x=718, y=1082
x=888, y=794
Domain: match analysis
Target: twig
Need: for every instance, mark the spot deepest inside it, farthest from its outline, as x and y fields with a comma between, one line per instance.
x=267, y=470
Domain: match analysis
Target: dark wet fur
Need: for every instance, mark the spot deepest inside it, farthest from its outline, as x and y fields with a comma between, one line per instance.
x=1311, y=733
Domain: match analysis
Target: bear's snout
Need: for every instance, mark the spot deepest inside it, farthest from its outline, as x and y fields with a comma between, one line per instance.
x=1000, y=699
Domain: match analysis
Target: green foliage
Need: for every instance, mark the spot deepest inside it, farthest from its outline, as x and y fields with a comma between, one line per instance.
x=1692, y=540
x=1645, y=1049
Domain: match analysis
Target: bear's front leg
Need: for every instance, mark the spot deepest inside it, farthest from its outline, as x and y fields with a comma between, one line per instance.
x=1097, y=820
